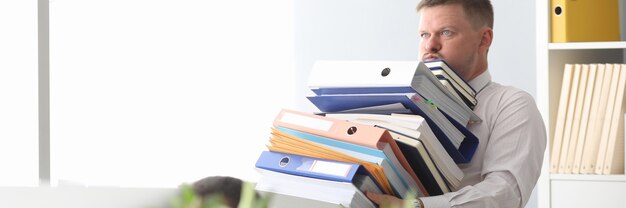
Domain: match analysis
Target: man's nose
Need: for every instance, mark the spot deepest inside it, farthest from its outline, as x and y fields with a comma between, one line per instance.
x=432, y=44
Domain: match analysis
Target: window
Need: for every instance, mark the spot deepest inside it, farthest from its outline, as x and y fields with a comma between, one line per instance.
x=144, y=93
x=18, y=94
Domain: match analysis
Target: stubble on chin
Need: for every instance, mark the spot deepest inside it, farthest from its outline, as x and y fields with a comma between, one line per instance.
x=431, y=56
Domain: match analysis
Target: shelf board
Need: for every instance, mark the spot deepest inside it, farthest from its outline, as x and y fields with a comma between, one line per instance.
x=587, y=45
x=572, y=177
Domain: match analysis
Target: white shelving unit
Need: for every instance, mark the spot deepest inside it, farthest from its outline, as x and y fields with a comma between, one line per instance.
x=586, y=45
x=558, y=190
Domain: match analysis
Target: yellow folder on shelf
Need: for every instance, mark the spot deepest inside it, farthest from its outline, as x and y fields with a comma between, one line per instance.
x=584, y=20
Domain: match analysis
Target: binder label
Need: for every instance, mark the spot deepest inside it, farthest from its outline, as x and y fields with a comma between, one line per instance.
x=330, y=168
x=305, y=121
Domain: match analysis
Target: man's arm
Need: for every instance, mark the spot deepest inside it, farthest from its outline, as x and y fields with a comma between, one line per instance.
x=512, y=159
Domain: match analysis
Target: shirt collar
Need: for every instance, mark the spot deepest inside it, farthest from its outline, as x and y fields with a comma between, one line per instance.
x=481, y=81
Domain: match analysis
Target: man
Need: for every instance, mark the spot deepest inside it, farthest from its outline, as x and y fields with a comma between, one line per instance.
x=507, y=163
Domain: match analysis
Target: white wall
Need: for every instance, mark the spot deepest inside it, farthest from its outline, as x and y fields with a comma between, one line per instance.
x=352, y=29
x=512, y=54
x=380, y=30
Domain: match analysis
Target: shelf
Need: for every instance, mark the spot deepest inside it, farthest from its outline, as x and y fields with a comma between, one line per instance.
x=572, y=177
x=587, y=45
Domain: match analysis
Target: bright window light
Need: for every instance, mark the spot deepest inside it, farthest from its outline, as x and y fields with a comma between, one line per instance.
x=18, y=94
x=156, y=93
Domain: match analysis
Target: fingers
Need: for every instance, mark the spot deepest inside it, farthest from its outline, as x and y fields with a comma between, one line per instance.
x=376, y=198
x=381, y=199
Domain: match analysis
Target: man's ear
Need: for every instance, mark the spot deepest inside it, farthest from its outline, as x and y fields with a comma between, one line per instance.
x=486, y=38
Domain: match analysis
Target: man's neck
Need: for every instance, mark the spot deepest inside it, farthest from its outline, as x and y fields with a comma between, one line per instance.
x=480, y=67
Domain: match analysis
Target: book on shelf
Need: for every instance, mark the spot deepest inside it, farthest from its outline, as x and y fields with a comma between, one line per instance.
x=567, y=132
x=592, y=144
x=592, y=136
x=561, y=118
x=578, y=111
x=589, y=129
x=613, y=159
x=606, y=128
x=584, y=118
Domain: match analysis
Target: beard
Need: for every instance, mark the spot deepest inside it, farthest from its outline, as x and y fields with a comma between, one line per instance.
x=431, y=56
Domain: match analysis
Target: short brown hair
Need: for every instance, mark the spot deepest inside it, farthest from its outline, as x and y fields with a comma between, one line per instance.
x=226, y=186
x=480, y=12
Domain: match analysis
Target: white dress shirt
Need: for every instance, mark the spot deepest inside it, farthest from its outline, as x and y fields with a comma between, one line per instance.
x=507, y=163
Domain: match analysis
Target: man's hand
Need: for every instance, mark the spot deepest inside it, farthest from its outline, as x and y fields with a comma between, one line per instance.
x=385, y=200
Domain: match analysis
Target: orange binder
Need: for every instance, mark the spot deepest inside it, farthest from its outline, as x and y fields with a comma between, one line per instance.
x=584, y=20
x=285, y=143
x=346, y=131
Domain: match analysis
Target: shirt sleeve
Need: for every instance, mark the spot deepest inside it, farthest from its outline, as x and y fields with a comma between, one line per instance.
x=512, y=161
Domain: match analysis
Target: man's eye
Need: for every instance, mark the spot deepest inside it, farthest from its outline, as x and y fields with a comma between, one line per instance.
x=446, y=33
x=424, y=35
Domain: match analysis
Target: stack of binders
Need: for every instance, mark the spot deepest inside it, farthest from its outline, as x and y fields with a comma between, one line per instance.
x=428, y=158
x=329, y=162
x=367, y=78
x=386, y=127
x=361, y=86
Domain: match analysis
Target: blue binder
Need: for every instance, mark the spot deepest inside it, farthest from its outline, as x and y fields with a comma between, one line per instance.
x=337, y=103
x=362, y=90
x=368, y=79
x=305, y=166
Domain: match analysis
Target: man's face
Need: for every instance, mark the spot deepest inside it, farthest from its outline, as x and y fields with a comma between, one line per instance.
x=447, y=34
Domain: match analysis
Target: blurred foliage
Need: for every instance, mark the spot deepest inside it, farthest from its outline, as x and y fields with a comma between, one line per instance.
x=187, y=198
